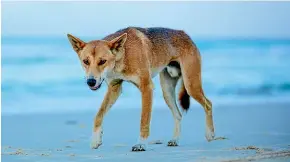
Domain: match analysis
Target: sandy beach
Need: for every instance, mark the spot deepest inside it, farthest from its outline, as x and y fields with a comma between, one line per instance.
x=249, y=132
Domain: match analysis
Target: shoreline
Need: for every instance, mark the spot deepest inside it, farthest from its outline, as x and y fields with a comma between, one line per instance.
x=156, y=107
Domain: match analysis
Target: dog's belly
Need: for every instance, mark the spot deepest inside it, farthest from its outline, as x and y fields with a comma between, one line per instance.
x=172, y=71
x=156, y=71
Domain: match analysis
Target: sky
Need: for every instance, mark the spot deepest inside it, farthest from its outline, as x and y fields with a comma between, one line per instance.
x=199, y=19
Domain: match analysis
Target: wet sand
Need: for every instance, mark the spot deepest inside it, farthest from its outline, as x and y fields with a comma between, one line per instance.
x=258, y=132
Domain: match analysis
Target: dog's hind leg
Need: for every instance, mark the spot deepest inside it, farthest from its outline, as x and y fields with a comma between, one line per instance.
x=191, y=73
x=114, y=91
x=168, y=85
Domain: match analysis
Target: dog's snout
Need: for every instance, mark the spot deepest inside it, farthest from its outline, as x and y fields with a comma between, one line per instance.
x=91, y=82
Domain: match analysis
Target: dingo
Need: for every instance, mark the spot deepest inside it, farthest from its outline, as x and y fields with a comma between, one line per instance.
x=137, y=55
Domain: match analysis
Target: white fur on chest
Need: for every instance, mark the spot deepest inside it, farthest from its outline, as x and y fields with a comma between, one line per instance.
x=112, y=76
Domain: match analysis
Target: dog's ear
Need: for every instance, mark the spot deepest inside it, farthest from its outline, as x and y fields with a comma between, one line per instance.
x=76, y=43
x=118, y=43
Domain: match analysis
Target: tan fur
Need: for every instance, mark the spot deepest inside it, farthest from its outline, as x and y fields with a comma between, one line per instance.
x=136, y=55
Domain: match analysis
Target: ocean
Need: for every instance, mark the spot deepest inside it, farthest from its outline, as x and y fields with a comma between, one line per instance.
x=43, y=74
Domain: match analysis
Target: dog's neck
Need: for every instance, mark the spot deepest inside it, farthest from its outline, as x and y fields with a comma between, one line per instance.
x=119, y=65
x=117, y=72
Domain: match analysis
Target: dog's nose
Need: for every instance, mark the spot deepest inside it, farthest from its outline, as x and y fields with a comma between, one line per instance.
x=91, y=82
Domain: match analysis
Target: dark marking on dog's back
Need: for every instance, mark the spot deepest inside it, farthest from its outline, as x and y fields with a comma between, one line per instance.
x=157, y=34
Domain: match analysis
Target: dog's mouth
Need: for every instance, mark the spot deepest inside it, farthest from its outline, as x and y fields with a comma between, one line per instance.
x=97, y=87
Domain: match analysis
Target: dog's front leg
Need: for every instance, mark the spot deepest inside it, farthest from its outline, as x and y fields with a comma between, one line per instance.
x=147, y=94
x=112, y=95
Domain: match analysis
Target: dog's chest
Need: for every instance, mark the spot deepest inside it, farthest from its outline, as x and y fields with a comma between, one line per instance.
x=131, y=78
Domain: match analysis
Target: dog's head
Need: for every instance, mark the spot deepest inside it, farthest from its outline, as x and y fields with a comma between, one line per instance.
x=98, y=57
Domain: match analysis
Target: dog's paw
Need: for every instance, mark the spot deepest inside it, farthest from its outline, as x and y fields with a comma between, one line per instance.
x=95, y=145
x=139, y=147
x=172, y=143
x=209, y=134
x=97, y=139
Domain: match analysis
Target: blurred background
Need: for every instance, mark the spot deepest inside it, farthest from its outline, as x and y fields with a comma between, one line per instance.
x=245, y=48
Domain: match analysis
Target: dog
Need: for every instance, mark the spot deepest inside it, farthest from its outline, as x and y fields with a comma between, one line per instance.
x=137, y=55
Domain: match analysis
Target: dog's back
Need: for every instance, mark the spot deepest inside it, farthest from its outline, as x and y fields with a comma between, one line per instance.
x=162, y=45
x=161, y=39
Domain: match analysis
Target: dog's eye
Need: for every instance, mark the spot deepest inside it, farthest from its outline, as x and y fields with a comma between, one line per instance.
x=86, y=61
x=102, y=62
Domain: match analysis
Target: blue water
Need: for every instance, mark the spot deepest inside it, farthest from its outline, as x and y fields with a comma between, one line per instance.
x=41, y=74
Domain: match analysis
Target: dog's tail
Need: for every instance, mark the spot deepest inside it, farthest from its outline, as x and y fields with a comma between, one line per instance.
x=184, y=98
